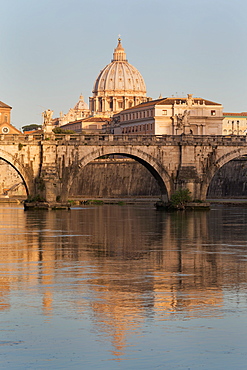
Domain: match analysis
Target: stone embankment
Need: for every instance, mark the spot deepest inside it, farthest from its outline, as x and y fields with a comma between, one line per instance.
x=230, y=181
x=114, y=178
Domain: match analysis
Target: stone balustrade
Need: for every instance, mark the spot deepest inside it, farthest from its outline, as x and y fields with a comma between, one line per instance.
x=106, y=139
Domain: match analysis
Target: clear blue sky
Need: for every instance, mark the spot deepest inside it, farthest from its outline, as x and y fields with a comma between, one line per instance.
x=53, y=50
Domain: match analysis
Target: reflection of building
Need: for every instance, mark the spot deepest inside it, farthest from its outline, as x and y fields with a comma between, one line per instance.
x=171, y=116
x=234, y=123
x=145, y=265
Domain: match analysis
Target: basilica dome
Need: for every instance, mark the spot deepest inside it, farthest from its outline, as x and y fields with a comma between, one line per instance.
x=118, y=86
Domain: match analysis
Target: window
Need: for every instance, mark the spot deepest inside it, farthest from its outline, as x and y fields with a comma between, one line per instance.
x=213, y=113
x=164, y=112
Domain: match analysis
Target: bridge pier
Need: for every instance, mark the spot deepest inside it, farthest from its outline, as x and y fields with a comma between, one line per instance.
x=49, y=183
x=48, y=186
x=188, y=178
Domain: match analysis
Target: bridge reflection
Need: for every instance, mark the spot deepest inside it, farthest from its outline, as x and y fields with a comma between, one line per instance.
x=121, y=265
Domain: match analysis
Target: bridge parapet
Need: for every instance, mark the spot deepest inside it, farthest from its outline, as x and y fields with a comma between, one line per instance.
x=19, y=138
x=106, y=139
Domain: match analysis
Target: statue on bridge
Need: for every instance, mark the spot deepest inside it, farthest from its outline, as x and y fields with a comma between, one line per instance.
x=183, y=121
x=47, y=122
x=47, y=115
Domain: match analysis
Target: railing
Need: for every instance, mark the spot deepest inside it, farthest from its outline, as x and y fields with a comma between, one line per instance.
x=106, y=139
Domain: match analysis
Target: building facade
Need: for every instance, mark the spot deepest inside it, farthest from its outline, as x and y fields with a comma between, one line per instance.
x=88, y=125
x=171, y=116
x=234, y=124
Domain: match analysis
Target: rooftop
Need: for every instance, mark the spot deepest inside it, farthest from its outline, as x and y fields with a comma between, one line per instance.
x=3, y=105
x=173, y=101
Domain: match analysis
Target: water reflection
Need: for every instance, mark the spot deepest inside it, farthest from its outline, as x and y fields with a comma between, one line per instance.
x=119, y=266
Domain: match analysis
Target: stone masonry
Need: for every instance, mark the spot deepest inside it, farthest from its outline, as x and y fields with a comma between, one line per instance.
x=49, y=164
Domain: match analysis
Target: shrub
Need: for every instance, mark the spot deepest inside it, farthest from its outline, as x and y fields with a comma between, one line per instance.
x=180, y=198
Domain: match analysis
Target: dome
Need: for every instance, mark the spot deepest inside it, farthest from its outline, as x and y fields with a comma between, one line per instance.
x=81, y=105
x=118, y=86
x=119, y=75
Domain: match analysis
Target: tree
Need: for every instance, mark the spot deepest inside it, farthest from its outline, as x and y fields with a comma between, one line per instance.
x=59, y=130
x=31, y=127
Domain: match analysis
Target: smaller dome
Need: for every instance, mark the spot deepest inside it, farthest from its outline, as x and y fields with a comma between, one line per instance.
x=81, y=105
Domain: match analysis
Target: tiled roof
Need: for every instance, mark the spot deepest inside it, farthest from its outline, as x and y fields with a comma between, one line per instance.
x=89, y=119
x=96, y=119
x=33, y=132
x=200, y=101
x=242, y=114
x=171, y=101
x=3, y=105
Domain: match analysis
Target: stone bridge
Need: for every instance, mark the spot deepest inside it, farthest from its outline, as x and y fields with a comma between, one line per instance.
x=48, y=163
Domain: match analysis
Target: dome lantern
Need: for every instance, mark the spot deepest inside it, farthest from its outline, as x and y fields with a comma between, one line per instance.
x=119, y=53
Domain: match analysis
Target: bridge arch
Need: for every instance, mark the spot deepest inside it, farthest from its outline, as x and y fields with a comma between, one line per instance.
x=18, y=167
x=159, y=172
x=220, y=162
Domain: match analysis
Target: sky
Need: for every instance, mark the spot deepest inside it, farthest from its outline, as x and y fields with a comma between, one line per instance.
x=51, y=51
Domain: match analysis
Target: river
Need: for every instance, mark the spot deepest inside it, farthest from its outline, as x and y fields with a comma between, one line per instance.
x=123, y=287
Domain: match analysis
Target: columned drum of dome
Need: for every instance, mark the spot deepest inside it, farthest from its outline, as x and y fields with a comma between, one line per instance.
x=118, y=86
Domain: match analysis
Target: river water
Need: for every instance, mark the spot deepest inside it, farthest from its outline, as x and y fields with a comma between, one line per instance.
x=123, y=287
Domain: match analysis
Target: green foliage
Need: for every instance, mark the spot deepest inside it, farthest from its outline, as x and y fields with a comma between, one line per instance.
x=59, y=130
x=71, y=202
x=180, y=198
x=94, y=201
x=31, y=127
